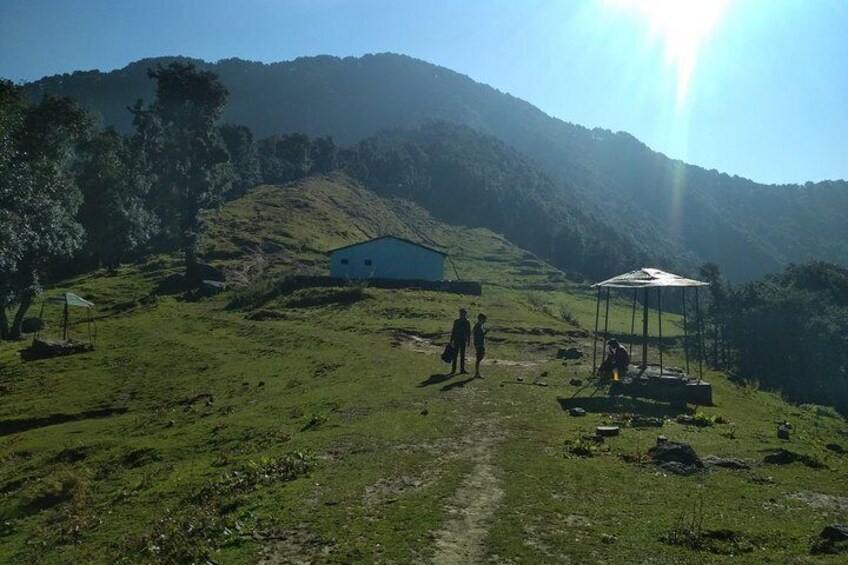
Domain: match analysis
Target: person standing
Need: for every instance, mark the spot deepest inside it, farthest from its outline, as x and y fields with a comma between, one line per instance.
x=461, y=338
x=479, y=343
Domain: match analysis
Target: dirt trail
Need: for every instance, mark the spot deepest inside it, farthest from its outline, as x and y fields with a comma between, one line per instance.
x=462, y=537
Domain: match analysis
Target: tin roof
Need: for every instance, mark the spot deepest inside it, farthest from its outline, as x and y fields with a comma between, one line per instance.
x=648, y=277
x=390, y=237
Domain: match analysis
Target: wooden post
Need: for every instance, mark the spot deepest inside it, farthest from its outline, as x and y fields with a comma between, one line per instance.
x=65, y=321
x=606, y=325
x=595, y=344
x=632, y=324
x=659, y=314
x=699, y=325
x=685, y=333
x=645, y=331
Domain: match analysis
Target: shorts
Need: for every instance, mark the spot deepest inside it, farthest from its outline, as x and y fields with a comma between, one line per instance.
x=481, y=352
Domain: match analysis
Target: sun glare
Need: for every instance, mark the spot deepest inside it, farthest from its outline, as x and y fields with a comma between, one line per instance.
x=680, y=26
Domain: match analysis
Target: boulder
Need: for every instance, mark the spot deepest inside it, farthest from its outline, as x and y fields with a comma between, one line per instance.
x=576, y=411
x=569, y=353
x=835, y=532
x=607, y=431
x=639, y=421
x=672, y=451
x=833, y=539
x=785, y=457
x=727, y=463
x=677, y=468
x=31, y=325
x=835, y=447
x=46, y=348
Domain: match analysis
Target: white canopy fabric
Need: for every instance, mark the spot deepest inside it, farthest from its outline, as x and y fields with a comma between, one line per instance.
x=70, y=299
x=648, y=278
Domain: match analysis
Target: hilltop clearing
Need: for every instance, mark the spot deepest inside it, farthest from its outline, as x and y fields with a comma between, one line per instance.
x=311, y=428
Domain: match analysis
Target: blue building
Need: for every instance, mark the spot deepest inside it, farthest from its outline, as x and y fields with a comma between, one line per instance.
x=388, y=257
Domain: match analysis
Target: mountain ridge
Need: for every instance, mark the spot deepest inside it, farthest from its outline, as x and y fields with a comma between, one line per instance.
x=652, y=200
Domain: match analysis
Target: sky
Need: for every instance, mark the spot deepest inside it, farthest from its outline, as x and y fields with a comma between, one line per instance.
x=755, y=88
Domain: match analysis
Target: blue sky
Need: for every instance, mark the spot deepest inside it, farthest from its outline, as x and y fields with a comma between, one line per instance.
x=757, y=88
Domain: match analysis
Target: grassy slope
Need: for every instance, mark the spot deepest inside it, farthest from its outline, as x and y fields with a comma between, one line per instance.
x=405, y=464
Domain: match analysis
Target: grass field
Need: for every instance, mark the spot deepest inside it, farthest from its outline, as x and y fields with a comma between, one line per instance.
x=322, y=427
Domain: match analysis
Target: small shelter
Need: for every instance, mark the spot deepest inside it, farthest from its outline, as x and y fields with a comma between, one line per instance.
x=388, y=257
x=67, y=301
x=642, y=281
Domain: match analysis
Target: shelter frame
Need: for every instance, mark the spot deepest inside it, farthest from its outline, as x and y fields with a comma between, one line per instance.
x=645, y=279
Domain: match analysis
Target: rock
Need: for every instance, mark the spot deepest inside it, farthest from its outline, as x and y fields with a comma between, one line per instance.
x=46, y=348
x=575, y=382
x=576, y=411
x=677, y=468
x=785, y=457
x=608, y=538
x=835, y=447
x=540, y=383
x=671, y=451
x=31, y=325
x=727, y=463
x=835, y=532
x=832, y=539
x=661, y=440
x=204, y=272
x=783, y=431
x=569, y=353
x=638, y=421
x=520, y=379
x=607, y=431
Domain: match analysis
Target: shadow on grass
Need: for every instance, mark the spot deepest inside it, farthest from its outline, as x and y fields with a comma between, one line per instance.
x=434, y=379
x=606, y=404
x=457, y=384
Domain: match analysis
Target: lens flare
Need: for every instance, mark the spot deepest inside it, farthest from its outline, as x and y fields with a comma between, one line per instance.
x=681, y=27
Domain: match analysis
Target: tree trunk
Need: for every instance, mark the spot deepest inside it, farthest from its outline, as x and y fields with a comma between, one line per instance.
x=4, y=322
x=190, y=263
x=26, y=302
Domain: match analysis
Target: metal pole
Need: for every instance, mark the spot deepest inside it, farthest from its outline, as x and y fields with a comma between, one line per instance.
x=700, y=337
x=595, y=344
x=685, y=333
x=659, y=309
x=606, y=323
x=65, y=322
x=632, y=324
x=645, y=332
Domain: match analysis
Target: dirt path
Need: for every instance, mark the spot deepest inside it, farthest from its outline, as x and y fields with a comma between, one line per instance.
x=462, y=537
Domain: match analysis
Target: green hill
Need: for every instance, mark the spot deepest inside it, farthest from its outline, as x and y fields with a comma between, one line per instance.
x=665, y=209
x=319, y=426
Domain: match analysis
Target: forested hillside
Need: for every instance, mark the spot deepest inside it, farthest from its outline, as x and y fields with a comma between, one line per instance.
x=673, y=211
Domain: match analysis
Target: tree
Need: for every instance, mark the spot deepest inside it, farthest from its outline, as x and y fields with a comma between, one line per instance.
x=244, y=157
x=181, y=139
x=38, y=198
x=287, y=158
x=114, y=184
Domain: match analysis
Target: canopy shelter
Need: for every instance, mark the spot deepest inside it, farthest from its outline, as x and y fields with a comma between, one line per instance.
x=645, y=279
x=67, y=301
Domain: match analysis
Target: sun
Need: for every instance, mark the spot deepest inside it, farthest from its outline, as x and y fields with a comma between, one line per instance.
x=680, y=26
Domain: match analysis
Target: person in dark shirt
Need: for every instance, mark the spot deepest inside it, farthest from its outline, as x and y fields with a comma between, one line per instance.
x=461, y=338
x=617, y=358
x=479, y=343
